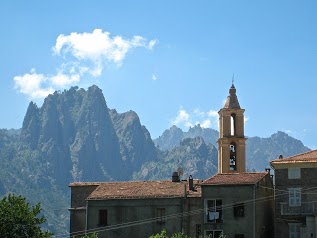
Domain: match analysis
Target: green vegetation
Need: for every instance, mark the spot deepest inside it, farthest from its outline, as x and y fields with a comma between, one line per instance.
x=18, y=219
x=163, y=234
x=92, y=235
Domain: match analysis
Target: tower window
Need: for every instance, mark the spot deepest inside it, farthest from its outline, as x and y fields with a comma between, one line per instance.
x=233, y=159
x=233, y=124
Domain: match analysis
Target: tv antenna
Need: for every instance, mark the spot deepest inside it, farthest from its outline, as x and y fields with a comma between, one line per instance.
x=180, y=171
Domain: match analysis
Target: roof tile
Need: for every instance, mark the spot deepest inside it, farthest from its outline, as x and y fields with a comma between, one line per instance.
x=138, y=189
x=235, y=178
x=310, y=157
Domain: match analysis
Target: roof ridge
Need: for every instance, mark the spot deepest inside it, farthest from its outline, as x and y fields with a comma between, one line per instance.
x=307, y=152
x=258, y=172
x=294, y=156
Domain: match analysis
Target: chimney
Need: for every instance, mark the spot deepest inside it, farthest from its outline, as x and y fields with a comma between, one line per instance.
x=175, y=177
x=191, y=182
x=280, y=157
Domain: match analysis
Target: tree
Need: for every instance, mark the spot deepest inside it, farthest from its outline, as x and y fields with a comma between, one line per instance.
x=18, y=219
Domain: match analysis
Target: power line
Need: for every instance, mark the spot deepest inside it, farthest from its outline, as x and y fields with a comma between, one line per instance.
x=183, y=214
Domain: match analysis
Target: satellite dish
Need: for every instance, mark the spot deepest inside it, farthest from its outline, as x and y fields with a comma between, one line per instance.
x=180, y=171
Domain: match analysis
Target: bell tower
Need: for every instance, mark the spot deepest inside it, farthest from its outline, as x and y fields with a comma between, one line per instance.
x=231, y=142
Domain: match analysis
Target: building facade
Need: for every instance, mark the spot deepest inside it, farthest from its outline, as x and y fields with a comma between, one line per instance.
x=296, y=195
x=135, y=209
x=238, y=205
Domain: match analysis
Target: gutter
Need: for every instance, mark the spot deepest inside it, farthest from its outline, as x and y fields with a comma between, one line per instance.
x=86, y=226
x=254, y=217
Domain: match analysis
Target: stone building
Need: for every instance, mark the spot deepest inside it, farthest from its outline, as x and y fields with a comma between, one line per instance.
x=236, y=203
x=135, y=209
x=296, y=195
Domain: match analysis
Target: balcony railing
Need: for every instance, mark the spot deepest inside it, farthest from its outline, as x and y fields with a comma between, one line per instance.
x=306, y=208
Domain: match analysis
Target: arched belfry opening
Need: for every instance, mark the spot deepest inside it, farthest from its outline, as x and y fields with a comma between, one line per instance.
x=233, y=124
x=233, y=156
x=231, y=142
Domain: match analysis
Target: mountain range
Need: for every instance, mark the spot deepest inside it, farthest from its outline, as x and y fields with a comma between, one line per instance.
x=74, y=136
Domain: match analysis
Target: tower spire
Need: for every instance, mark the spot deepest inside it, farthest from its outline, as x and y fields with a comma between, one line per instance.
x=232, y=99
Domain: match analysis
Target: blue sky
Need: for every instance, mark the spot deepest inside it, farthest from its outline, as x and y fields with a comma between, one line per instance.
x=170, y=61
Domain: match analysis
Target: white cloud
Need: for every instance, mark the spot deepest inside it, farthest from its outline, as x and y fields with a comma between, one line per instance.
x=151, y=44
x=31, y=84
x=185, y=119
x=246, y=119
x=62, y=80
x=154, y=77
x=213, y=113
x=206, y=124
x=82, y=54
x=182, y=117
x=198, y=113
x=98, y=46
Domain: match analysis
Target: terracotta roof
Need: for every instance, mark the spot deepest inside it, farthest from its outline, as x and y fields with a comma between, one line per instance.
x=138, y=189
x=310, y=157
x=235, y=178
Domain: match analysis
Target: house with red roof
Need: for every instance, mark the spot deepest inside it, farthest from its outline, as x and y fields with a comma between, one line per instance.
x=136, y=208
x=296, y=195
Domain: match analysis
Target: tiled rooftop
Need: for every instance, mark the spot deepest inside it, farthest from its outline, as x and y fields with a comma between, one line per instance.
x=310, y=157
x=140, y=189
x=235, y=178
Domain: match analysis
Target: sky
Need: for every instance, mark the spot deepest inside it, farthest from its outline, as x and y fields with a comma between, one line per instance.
x=172, y=62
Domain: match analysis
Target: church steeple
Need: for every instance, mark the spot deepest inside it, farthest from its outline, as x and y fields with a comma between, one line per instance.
x=231, y=142
x=232, y=100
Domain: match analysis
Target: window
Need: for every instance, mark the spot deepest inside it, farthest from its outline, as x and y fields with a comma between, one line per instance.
x=103, y=218
x=160, y=215
x=198, y=230
x=294, y=197
x=213, y=209
x=294, y=230
x=233, y=153
x=233, y=124
x=294, y=173
x=238, y=210
x=213, y=234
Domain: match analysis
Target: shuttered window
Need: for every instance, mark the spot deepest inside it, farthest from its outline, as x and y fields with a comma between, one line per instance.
x=294, y=197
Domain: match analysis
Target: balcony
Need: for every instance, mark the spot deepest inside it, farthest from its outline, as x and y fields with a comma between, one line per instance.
x=306, y=208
